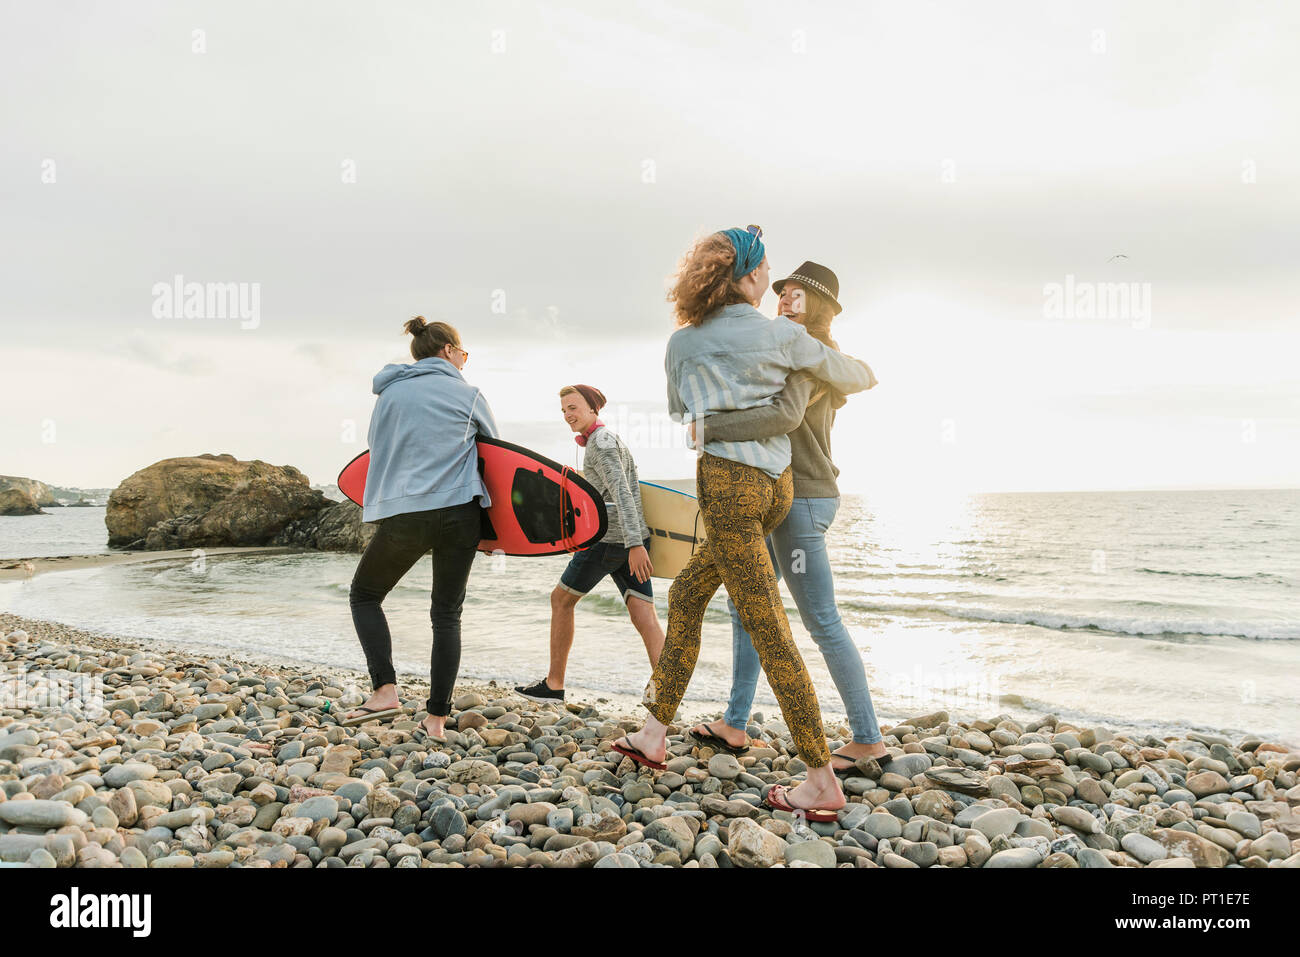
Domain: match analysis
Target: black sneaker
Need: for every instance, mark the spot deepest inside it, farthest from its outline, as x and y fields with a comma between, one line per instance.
x=541, y=692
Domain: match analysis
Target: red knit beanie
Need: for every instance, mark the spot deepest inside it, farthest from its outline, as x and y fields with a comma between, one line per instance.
x=595, y=398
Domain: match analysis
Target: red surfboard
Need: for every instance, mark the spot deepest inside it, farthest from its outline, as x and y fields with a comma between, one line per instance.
x=539, y=507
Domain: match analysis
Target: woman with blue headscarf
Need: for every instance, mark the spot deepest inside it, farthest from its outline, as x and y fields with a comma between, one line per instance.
x=726, y=355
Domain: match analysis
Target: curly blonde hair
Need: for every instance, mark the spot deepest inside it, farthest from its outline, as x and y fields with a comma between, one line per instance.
x=703, y=283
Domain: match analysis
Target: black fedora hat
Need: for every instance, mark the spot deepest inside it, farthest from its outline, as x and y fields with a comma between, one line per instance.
x=816, y=277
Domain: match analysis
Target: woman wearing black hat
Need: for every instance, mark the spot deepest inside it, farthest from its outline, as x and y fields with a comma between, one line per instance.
x=805, y=410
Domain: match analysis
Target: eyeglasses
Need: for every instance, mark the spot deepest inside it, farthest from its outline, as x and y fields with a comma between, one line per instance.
x=755, y=231
x=463, y=352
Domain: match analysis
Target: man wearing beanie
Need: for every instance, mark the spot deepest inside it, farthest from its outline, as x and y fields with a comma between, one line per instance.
x=622, y=553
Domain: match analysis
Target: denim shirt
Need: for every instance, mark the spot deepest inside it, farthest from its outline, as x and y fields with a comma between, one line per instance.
x=737, y=358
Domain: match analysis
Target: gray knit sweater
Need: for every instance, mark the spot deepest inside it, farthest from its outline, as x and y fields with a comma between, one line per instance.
x=607, y=464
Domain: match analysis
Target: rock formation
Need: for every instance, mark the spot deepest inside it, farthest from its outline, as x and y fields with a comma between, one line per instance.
x=39, y=491
x=18, y=501
x=337, y=528
x=214, y=500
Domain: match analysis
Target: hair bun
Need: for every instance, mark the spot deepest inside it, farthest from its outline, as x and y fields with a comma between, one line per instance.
x=416, y=325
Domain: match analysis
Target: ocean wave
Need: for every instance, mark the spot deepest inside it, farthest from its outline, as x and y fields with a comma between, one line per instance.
x=1255, y=577
x=922, y=576
x=1121, y=625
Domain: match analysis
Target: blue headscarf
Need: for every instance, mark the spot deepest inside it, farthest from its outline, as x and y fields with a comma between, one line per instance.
x=749, y=251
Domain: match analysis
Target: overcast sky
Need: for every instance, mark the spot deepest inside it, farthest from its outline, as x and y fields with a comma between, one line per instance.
x=532, y=172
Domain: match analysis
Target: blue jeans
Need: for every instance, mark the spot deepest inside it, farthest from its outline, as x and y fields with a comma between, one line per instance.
x=798, y=550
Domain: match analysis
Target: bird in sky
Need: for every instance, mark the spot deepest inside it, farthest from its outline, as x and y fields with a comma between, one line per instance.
x=1117, y=256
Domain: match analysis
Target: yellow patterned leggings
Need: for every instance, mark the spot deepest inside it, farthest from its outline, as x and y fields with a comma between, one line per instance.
x=740, y=505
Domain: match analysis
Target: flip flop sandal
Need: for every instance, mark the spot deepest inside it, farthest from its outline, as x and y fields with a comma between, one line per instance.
x=631, y=752
x=369, y=714
x=717, y=743
x=851, y=771
x=818, y=815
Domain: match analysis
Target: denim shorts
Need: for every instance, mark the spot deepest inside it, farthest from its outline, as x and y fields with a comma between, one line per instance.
x=589, y=566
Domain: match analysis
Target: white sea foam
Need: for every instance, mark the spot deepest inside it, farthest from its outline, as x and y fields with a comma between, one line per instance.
x=1119, y=624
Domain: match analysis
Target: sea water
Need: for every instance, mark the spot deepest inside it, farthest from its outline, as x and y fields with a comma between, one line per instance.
x=1155, y=610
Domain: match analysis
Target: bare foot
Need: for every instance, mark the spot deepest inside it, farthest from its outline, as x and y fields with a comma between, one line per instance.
x=814, y=795
x=435, y=726
x=654, y=748
x=383, y=698
x=853, y=751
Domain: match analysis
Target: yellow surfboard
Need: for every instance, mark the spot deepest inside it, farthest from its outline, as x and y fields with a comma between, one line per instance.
x=676, y=528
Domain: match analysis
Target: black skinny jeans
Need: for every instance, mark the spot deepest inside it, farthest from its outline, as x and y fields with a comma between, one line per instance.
x=401, y=541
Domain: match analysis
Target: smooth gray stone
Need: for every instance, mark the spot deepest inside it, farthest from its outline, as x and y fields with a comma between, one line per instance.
x=447, y=820
x=42, y=814
x=862, y=839
x=1245, y=824
x=852, y=815
x=708, y=844
x=908, y=764
x=561, y=819
x=814, y=852
x=1037, y=752
x=320, y=808
x=1143, y=848
x=1015, y=857
x=923, y=854
x=899, y=807
x=1091, y=857
x=353, y=791
x=1034, y=827
x=972, y=759
x=997, y=822
x=967, y=815
x=16, y=848
x=618, y=860
x=120, y=775
x=880, y=826
x=185, y=817
x=1094, y=762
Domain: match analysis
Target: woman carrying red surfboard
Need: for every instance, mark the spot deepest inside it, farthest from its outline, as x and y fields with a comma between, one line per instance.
x=424, y=490
x=727, y=355
x=622, y=553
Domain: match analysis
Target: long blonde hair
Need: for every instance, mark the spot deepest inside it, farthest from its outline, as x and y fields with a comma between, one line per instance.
x=818, y=313
x=817, y=316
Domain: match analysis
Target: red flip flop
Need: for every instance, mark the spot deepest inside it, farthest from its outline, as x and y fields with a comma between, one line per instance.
x=631, y=752
x=776, y=799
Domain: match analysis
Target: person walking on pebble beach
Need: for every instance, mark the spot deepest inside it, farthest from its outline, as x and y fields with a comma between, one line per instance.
x=622, y=554
x=425, y=492
x=727, y=355
x=805, y=409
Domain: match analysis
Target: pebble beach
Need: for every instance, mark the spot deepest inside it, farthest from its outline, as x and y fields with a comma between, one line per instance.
x=122, y=754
